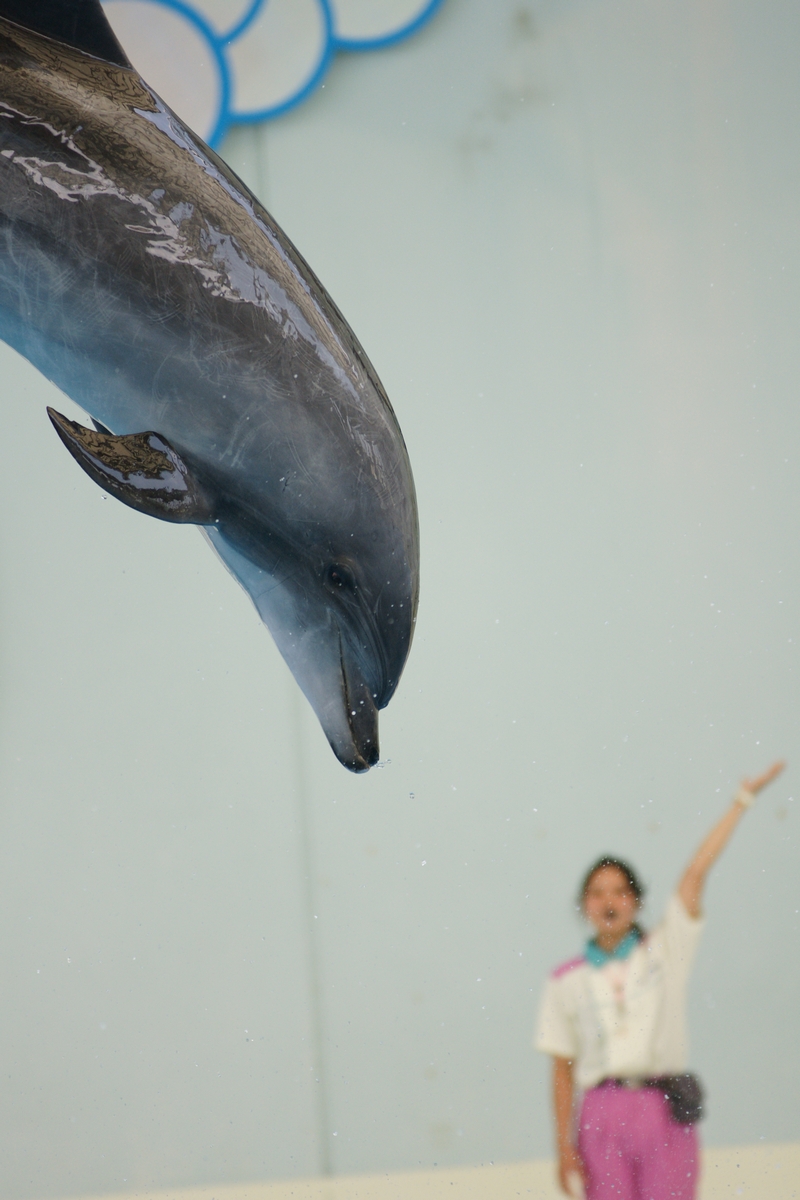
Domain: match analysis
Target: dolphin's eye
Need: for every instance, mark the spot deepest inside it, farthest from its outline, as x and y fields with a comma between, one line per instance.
x=340, y=578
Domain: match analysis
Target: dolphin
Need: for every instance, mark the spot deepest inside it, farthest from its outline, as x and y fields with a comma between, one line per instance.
x=226, y=390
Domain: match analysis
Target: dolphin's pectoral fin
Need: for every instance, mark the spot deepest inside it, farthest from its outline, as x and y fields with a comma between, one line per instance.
x=140, y=469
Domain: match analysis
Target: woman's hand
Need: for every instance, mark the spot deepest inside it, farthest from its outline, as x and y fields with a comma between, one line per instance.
x=569, y=1165
x=755, y=785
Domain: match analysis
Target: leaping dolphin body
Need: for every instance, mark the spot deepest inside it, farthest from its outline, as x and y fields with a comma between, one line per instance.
x=141, y=276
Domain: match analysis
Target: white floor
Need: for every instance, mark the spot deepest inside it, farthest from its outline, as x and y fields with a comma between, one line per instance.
x=758, y=1172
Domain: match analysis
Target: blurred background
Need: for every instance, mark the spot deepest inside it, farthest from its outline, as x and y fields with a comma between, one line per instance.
x=566, y=233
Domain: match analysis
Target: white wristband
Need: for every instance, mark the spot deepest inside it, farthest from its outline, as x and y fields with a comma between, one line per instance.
x=745, y=797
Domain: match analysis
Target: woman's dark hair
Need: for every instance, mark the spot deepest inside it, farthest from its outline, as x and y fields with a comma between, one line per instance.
x=633, y=880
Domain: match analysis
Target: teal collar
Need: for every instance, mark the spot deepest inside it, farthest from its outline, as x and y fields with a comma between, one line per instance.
x=598, y=958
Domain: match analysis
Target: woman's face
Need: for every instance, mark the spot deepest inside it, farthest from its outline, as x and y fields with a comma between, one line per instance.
x=609, y=904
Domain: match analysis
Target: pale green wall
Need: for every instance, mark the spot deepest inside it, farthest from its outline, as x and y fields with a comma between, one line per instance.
x=567, y=234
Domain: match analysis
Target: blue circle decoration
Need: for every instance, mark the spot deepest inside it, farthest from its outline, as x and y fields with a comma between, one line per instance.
x=378, y=42
x=302, y=33
x=317, y=67
x=232, y=34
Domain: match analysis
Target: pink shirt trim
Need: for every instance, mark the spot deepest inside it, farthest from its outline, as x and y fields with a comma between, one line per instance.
x=566, y=967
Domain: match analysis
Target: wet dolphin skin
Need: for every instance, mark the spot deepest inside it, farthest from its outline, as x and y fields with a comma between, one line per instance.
x=140, y=275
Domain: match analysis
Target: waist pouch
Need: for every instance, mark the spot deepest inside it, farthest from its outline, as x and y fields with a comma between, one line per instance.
x=684, y=1095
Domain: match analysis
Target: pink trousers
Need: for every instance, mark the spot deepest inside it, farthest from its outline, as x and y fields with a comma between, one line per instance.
x=632, y=1149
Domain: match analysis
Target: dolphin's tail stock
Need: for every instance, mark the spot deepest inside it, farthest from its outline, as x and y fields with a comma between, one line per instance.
x=78, y=23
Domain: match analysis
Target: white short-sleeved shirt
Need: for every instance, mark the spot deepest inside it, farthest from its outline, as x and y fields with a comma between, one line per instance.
x=625, y=1018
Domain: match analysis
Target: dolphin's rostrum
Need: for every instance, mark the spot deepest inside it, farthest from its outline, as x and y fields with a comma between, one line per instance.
x=140, y=275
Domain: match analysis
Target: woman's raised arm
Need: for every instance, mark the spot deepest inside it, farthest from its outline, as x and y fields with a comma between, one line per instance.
x=691, y=885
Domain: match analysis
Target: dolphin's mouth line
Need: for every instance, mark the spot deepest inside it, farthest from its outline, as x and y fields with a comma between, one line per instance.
x=345, y=687
x=360, y=763
x=364, y=744
x=358, y=611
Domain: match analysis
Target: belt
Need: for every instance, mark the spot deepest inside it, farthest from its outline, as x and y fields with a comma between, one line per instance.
x=633, y=1082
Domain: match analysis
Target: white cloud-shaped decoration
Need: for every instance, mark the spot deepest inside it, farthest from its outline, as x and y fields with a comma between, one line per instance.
x=216, y=62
